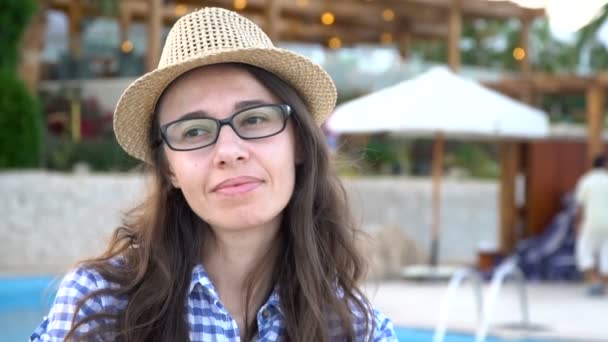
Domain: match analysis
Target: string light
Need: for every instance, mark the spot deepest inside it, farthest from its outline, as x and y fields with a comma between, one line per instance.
x=302, y=3
x=334, y=43
x=328, y=18
x=240, y=5
x=126, y=46
x=388, y=14
x=180, y=10
x=386, y=38
x=519, y=54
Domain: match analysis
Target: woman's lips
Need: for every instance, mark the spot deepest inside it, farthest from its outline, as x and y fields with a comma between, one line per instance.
x=237, y=186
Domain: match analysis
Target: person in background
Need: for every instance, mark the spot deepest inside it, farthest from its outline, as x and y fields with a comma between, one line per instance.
x=246, y=233
x=592, y=229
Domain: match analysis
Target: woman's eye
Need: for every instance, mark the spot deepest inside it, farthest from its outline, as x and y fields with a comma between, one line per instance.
x=194, y=132
x=254, y=120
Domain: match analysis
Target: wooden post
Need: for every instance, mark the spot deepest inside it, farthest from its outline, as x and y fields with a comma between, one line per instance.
x=438, y=147
x=404, y=43
x=75, y=16
x=154, y=32
x=509, y=166
x=454, y=34
x=32, y=45
x=124, y=21
x=273, y=17
x=595, y=122
x=524, y=64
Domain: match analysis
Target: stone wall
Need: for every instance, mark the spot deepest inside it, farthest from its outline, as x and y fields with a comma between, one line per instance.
x=51, y=220
x=469, y=211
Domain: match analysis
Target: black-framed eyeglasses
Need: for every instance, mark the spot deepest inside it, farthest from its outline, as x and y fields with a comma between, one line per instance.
x=256, y=122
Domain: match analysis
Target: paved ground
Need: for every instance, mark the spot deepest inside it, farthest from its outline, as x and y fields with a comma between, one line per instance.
x=562, y=311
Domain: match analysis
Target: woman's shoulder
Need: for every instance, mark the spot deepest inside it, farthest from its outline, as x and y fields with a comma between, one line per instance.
x=85, y=279
x=78, y=296
x=383, y=328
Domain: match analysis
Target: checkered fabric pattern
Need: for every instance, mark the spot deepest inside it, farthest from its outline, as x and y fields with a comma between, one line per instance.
x=208, y=319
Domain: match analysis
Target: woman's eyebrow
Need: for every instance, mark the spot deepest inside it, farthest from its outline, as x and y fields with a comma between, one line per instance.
x=194, y=115
x=237, y=106
x=248, y=103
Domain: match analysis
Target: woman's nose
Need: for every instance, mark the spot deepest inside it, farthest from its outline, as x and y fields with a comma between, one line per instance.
x=229, y=148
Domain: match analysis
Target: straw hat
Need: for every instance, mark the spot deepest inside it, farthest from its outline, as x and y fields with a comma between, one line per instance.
x=211, y=36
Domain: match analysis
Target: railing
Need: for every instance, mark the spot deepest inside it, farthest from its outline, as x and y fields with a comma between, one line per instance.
x=508, y=269
x=485, y=308
x=455, y=282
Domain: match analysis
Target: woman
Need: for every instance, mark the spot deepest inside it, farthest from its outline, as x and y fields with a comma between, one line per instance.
x=246, y=234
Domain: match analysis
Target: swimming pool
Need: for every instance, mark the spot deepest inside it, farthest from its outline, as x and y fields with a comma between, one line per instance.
x=421, y=335
x=24, y=301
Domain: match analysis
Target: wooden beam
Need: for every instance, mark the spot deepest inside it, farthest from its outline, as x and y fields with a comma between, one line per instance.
x=154, y=34
x=428, y=17
x=124, y=22
x=509, y=166
x=32, y=44
x=482, y=8
x=549, y=84
x=524, y=64
x=292, y=29
x=343, y=9
x=454, y=34
x=595, y=112
x=75, y=19
x=273, y=17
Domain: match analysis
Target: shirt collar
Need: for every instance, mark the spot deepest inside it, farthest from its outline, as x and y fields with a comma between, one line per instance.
x=200, y=276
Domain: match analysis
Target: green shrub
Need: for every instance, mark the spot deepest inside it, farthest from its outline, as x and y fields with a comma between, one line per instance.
x=477, y=160
x=20, y=118
x=20, y=124
x=14, y=16
x=381, y=155
x=100, y=154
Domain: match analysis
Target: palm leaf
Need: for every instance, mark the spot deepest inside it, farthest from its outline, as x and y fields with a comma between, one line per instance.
x=589, y=32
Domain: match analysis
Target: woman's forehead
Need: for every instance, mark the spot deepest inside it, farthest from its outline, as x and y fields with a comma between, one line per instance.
x=209, y=88
x=213, y=76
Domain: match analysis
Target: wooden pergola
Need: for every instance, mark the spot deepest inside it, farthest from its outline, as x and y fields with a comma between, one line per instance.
x=336, y=23
x=345, y=22
x=530, y=87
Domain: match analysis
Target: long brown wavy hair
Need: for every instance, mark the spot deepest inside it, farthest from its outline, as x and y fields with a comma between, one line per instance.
x=316, y=267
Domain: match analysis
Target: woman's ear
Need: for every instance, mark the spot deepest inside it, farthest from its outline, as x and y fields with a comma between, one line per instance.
x=171, y=175
x=299, y=155
x=299, y=152
x=173, y=178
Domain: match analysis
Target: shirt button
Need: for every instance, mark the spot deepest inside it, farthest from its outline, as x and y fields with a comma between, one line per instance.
x=265, y=313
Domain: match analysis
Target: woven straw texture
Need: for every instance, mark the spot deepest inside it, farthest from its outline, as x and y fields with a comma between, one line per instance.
x=211, y=36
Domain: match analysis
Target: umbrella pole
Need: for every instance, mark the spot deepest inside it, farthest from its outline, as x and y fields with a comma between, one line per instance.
x=438, y=147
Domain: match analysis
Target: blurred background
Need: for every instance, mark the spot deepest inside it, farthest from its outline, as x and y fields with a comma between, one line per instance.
x=436, y=196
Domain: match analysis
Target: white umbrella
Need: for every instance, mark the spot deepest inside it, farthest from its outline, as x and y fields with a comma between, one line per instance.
x=439, y=103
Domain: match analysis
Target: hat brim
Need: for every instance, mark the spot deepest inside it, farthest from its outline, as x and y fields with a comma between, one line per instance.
x=133, y=115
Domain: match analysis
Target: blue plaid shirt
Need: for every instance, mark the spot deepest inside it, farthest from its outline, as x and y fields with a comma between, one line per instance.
x=207, y=317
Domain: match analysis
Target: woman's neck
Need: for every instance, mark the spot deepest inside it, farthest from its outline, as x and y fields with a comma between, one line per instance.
x=231, y=255
x=235, y=258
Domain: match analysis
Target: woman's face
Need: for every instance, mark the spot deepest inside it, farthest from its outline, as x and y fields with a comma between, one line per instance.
x=233, y=184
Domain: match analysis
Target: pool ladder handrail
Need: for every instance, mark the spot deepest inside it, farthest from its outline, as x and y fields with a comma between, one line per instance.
x=456, y=281
x=507, y=269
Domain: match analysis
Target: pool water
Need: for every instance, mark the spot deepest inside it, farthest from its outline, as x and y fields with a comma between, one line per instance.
x=25, y=301
x=23, y=304
x=421, y=335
